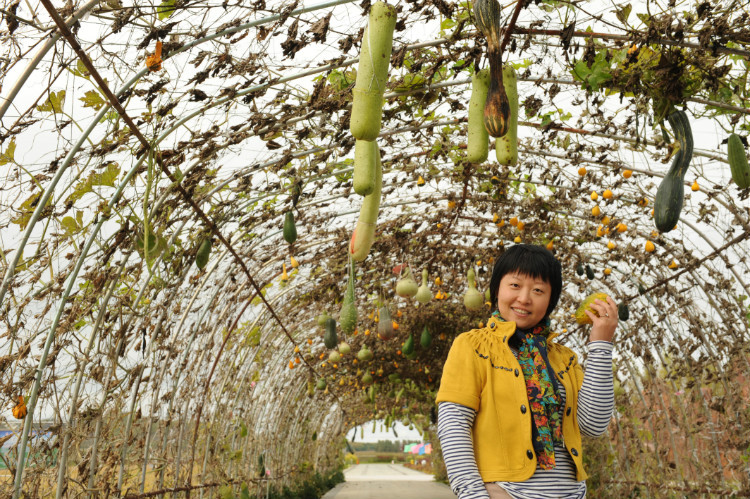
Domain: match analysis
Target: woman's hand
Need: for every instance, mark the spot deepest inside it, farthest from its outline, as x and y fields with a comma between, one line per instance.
x=606, y=322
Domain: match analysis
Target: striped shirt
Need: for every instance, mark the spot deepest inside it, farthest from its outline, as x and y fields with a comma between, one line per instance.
x=595, y=406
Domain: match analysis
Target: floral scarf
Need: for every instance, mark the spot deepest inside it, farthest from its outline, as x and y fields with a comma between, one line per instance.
x=541, y=389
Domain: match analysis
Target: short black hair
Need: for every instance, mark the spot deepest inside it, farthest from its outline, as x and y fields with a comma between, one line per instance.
x=531, y=260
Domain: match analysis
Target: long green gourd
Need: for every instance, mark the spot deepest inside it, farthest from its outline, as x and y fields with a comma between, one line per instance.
x=738, y=162
x=372, y=72
x=365, y=161
x=477, y=142
x=506, y=147
x=364, y=233
x=671, y=192
x=348, y=315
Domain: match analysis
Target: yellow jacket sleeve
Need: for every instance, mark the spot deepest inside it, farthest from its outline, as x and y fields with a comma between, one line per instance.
x=463, y=380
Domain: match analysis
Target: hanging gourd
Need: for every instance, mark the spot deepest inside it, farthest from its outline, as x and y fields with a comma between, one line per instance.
x=364, y=233
x=738, y=162
x=477, y=142
x=579, y=269
x=473, y=299
x=372, y=72
x=385, y=325
x=344, y=348
x=204, y=250
x=424, y=295
x=20, y=410
x=426, y=339
x=348, y=315
x=671, y=191
x=330, y=338
x=408, y=348
x=590, y=272
x=365, y=164
x=367, y=379
x=322, y=318
x=290, y=230
x=406, y=287
x=364, y=354
x=497, y=106
x=506, y=147
x=623, y=312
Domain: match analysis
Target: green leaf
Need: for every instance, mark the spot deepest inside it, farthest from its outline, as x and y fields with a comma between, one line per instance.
x=593, y=77
x=107, y=177
x=447, y=24
x=165, y=9
x=623, y=13
x=54, y=102
x=7, y=156
x=80, y=70
x=27, y=209
x=92, y=98
x=110, y=116
x=645, y=18
x=70, y=225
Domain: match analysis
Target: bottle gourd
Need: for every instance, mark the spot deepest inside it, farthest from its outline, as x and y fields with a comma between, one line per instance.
x=364, y=233
x=671, y=192
x=372, y=72
x=497, y=106
x=506, y=147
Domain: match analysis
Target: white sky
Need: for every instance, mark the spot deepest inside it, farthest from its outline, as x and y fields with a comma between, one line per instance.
x=404, y=433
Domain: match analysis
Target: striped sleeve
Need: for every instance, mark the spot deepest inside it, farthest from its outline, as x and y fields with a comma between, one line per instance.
x=596, y=399
x=454, y=431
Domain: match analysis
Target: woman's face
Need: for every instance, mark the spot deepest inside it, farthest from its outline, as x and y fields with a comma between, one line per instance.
x=523, y=299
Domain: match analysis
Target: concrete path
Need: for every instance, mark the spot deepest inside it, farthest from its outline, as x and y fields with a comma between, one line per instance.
x=388, y=481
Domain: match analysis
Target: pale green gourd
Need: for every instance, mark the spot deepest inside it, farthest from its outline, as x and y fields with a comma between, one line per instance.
x=478, y=140
x=424, y=295
x=364, y=233
x=406, y=287
x=348, y=315
x=473, y=299
x=372, y=72
x=365, y=163
x=506, y=147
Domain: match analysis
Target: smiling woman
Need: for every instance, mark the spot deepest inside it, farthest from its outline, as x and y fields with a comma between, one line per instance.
x=172, y=222
x=505, y=433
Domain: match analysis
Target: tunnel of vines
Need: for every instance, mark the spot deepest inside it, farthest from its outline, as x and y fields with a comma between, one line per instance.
x=185, y=301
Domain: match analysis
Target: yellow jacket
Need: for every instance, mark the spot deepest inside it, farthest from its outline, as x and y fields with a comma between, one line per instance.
x=482, y=373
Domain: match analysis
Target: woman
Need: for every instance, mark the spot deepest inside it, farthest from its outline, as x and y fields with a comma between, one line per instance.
x=512, y=403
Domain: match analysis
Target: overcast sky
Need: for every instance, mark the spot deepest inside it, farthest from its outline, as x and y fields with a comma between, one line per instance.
x=404, y=433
